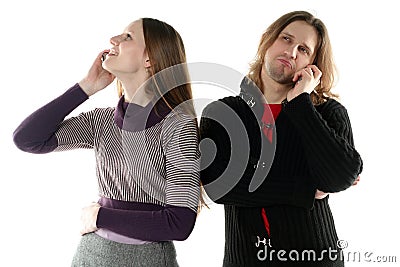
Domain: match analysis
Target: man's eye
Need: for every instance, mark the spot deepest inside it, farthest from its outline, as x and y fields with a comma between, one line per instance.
x=304, y=50
x=286, y=38
x=128, y=37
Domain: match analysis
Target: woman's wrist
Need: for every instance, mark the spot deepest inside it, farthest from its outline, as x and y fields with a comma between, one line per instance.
x=86, y=87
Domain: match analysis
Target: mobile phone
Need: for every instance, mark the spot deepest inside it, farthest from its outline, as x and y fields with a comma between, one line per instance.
x=298, y=80
x=103, y=56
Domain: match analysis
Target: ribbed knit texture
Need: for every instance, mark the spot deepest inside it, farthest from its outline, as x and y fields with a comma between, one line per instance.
x=314, y=149
x=292, y=228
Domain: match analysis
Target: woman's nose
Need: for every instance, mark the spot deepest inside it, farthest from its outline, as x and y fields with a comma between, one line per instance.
x=115, y=40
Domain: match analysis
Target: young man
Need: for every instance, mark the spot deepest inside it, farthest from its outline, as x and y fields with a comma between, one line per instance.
x=277, y=147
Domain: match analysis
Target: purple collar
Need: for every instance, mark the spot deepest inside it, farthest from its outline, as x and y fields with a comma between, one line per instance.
x=133, y=117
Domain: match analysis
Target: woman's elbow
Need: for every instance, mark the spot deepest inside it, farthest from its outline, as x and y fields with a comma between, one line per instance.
x=184, y=231
x=23, y=143
x=183, y=225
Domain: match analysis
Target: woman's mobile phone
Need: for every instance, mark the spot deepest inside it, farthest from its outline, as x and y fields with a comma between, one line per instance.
x=103, y=56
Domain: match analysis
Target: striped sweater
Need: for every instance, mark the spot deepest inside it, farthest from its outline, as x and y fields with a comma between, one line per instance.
x=147, y=162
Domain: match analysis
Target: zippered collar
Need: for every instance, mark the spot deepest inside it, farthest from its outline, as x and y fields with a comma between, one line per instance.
x=252, y=95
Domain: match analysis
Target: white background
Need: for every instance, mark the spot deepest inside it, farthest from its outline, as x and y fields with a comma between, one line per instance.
x=47, y=46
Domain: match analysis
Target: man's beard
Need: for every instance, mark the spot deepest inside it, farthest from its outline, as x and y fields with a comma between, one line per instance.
x=278, y=74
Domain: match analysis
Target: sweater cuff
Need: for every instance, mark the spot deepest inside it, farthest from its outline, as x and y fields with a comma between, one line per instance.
x=299, y=103
x=169, y=223
x=77, y=92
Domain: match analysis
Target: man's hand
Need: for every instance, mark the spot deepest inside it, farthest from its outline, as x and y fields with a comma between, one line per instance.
x=306, y=80
x=357, y=180
x=320, y=195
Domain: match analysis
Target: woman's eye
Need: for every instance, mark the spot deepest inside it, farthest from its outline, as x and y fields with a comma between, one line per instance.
x=286, y=38
x=128, y=37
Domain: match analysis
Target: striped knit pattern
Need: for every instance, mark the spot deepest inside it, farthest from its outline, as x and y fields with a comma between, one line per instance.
x=159, y=165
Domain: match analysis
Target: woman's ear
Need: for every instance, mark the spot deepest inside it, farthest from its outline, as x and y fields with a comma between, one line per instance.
x=146, y=57
x=147, y=63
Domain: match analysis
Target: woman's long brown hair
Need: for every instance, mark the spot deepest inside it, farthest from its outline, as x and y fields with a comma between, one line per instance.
x=169, y=77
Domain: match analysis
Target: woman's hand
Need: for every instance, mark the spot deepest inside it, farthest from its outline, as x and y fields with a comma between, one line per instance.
x=97, y=78
x=89, y=218
x=306, y=80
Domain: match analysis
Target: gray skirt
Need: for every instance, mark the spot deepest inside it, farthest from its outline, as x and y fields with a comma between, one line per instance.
x=96, y=251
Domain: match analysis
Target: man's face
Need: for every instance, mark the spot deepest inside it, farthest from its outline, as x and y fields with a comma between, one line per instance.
x=293, y=50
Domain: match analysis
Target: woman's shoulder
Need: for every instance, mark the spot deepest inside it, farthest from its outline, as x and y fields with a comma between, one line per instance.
x=179, y=114
x=100, y=112
x=178, y=118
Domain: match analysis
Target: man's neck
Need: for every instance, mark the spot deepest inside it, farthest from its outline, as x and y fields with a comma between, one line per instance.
x=274, y=92
x=274, y=96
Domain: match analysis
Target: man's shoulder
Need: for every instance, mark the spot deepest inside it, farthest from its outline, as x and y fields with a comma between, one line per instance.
x=330, y=105
x=233, y=102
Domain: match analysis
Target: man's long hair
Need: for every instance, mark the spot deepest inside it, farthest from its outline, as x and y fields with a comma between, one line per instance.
x=323, y=53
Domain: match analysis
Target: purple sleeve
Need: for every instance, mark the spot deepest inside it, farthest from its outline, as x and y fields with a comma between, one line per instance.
x=170, y=223
x=36, y=134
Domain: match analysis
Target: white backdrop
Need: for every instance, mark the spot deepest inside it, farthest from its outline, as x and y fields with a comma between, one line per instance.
x=47, y=46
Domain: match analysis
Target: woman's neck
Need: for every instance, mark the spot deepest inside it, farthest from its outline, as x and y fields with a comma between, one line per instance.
x=134, y=91
x=139, y=96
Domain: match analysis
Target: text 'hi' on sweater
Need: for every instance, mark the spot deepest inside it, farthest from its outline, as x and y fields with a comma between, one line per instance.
x=314, y=150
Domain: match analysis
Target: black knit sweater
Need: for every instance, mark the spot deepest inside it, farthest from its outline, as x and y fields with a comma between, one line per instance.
x=313, y=148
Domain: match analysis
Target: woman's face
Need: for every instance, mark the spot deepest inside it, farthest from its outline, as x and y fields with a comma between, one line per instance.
x=128, y=54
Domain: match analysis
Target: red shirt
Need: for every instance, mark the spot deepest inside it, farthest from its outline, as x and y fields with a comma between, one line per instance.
x=271, y=112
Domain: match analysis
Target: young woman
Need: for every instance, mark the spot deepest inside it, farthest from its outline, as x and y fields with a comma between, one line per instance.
x=300, y=144
x=146, y=148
